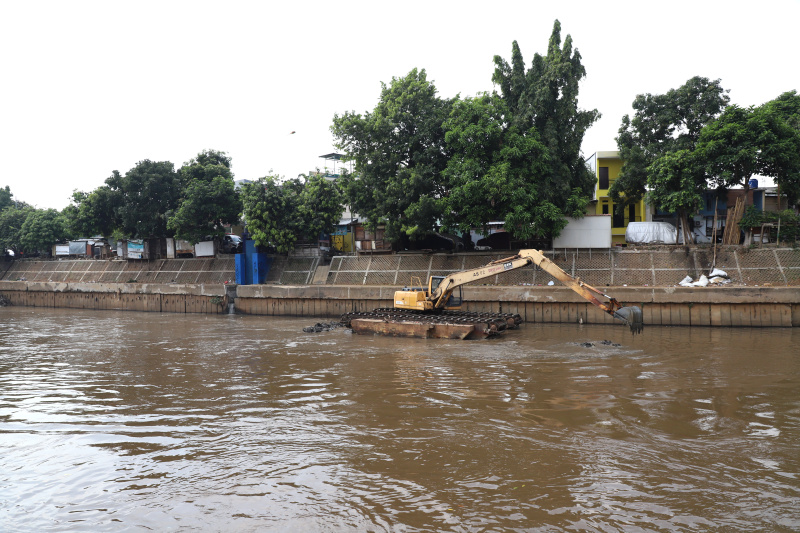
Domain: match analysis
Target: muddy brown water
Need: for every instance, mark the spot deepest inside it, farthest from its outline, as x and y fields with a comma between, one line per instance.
x=113, y=421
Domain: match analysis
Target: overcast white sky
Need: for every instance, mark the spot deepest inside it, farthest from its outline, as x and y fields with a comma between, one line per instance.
x=89, y=87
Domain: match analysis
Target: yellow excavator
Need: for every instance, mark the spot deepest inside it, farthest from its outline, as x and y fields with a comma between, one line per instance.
x=444, y=292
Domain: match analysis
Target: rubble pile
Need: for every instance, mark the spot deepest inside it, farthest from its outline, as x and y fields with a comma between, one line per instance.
x=322, y=326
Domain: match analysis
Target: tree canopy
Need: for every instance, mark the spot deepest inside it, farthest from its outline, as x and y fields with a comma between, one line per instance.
x=744, y=142
x=147, y=195
x=11, y=220
x=41, y=229
x=546, y=98
x=281, y=213
x=209, y=198
x=92, y=213
x=494, y=171
x=321, y=206
x=421, y=160
x=6, y=197
x=662, y=124
x=399, y=153
x=153, y=200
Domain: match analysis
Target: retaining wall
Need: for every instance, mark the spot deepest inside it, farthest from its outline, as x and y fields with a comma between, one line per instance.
x=208, y=299
x=605, y=267
x=182, y=271
x=668, y=306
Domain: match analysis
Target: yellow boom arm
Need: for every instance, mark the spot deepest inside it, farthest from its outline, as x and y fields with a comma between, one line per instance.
x=630, y=315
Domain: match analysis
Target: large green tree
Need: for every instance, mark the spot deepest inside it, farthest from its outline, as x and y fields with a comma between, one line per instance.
x=209, y=198
x=6, y=197
x=545, y=97
x=271, y=212
x=321, y=206
x=677, y=182
x=93, y=213
x=787, y=105
x=494, y=173
x=399, y=153
x=745, y=142
x=662, y=124
x=281, y=213
x=11, y=220
x=41, y=230
x=147, y=196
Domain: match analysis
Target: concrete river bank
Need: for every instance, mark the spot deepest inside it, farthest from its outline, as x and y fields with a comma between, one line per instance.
x=667, y=306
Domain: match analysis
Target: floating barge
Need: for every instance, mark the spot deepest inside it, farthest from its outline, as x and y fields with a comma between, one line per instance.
x=462, y=325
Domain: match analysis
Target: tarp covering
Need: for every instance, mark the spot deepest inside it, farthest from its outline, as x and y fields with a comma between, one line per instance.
x=77, y=247
x=650, y=233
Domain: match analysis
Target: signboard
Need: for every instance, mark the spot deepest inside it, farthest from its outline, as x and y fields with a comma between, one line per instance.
x=586, y=232
x=136, y=249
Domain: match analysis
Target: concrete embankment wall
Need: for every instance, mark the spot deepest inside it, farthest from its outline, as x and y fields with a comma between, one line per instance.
x=653, y=267
x=160, y=271
x=208, y=299
x=669, y=306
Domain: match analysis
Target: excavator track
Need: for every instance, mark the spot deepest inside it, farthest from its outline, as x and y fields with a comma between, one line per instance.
x=444, y=324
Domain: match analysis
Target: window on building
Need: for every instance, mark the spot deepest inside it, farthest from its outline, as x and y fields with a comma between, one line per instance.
x=618, y=219
x=632, y=213
x=605, y=209
x=603, y=178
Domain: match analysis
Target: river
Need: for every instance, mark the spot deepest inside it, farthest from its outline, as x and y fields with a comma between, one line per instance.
x=115, y=421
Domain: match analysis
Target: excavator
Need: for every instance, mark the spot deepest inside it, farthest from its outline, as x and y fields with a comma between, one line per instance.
x=435, y=311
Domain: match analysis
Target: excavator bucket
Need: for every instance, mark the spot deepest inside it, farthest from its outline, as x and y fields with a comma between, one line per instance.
x=631, y=316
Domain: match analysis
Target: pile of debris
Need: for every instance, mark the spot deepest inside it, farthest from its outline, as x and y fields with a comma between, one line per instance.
x=4, y=302
x=322, y=326
x=715, y=277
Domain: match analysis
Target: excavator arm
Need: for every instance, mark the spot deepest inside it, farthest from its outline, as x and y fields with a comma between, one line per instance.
x=630, y=315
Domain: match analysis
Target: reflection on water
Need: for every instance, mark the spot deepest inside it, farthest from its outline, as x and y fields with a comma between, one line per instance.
x=126, y=421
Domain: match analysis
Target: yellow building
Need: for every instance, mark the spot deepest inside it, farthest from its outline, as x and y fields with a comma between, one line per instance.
x=606, y=167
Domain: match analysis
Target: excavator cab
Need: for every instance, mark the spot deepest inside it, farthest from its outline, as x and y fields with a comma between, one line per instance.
x=454, y=301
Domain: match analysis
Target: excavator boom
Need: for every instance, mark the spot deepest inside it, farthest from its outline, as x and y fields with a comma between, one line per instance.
x=439, y=297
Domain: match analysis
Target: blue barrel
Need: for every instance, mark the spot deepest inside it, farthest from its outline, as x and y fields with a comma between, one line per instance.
x=753, y=183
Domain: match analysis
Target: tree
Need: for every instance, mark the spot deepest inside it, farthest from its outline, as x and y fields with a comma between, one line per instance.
x=6, y=197
x=546, y=98
x=11, y=220
x=147, y=196
x=92, y=213
x=279, y=214
x=207, y=165
x=320, y=206
x=662, y=124
x=209, y=199
x=399, y=153
x=271, y=212
x=41, y=230
x=494, y=172
x=677, y=184
x=787, y=105
x=743, y=142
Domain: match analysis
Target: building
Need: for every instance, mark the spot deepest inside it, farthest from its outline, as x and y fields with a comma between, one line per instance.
x=606, y=167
